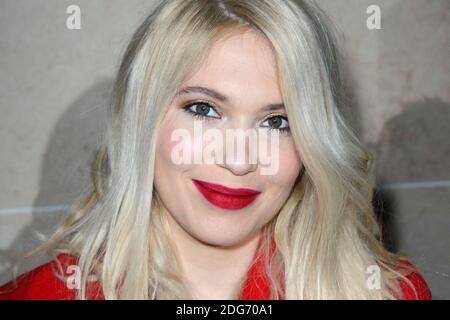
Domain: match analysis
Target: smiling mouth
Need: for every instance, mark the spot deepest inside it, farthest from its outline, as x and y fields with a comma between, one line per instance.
x=225, y=197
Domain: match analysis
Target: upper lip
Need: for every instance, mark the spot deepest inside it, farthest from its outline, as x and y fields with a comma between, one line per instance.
x=227, y=190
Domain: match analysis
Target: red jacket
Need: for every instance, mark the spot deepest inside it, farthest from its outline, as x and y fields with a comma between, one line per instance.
x=41, y=284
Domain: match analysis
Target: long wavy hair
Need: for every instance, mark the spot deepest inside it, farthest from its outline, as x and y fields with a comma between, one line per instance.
x=326, y=234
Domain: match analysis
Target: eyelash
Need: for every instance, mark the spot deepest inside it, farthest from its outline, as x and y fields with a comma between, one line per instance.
x=186, y=108
x=197, y=115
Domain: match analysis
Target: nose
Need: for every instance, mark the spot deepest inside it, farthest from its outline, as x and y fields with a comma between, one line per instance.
x=239, y=156
x=239, y=169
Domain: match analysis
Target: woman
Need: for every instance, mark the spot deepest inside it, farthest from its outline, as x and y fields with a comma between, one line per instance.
x=157, y=227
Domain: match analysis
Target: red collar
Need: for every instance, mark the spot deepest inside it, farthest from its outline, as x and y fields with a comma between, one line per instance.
x=40, y=283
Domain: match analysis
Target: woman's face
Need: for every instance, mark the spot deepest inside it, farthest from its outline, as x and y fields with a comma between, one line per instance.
x=211, y=201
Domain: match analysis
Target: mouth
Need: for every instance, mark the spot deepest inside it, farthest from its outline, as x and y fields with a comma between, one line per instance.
x=225, y=197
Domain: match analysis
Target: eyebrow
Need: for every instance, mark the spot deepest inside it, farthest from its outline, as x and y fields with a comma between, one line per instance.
x=222, y=98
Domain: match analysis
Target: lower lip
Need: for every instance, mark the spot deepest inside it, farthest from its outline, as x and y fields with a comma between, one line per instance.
x=225, y=201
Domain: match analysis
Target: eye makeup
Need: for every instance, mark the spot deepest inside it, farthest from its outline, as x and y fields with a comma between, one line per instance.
x=206, y=107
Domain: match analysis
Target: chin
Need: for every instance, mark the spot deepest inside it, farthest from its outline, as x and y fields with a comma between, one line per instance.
x=216, y=240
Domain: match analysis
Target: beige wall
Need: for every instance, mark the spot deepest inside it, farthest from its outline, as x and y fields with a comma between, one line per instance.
x=55, y=83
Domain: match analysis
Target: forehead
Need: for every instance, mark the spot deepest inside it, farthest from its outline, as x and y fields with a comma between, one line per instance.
x=242, y=66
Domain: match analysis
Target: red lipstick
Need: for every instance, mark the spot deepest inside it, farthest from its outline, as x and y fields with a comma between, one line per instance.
x=225, y=197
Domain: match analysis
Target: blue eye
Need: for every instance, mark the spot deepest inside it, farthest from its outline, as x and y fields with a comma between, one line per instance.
x=201, y=110
x=277, y=122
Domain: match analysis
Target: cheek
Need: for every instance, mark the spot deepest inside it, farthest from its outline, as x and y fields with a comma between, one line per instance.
x=168, y=174
x=290, y=165
x=175, y=141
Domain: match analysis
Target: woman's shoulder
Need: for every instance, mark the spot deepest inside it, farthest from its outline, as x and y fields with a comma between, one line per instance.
x=42, y=282
x=417, y=283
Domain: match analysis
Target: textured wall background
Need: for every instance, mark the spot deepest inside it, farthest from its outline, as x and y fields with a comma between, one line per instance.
x=55, y=84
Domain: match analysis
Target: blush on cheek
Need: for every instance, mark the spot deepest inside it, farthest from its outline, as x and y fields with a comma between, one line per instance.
x=165, y=143
x=188, y=144
x=176, y=142
x=290, y=165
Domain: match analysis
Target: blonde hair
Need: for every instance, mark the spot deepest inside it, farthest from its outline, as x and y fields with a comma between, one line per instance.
x=326, y=234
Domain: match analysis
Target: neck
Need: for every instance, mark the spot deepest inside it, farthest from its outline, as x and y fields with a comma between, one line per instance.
x=211, y=271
